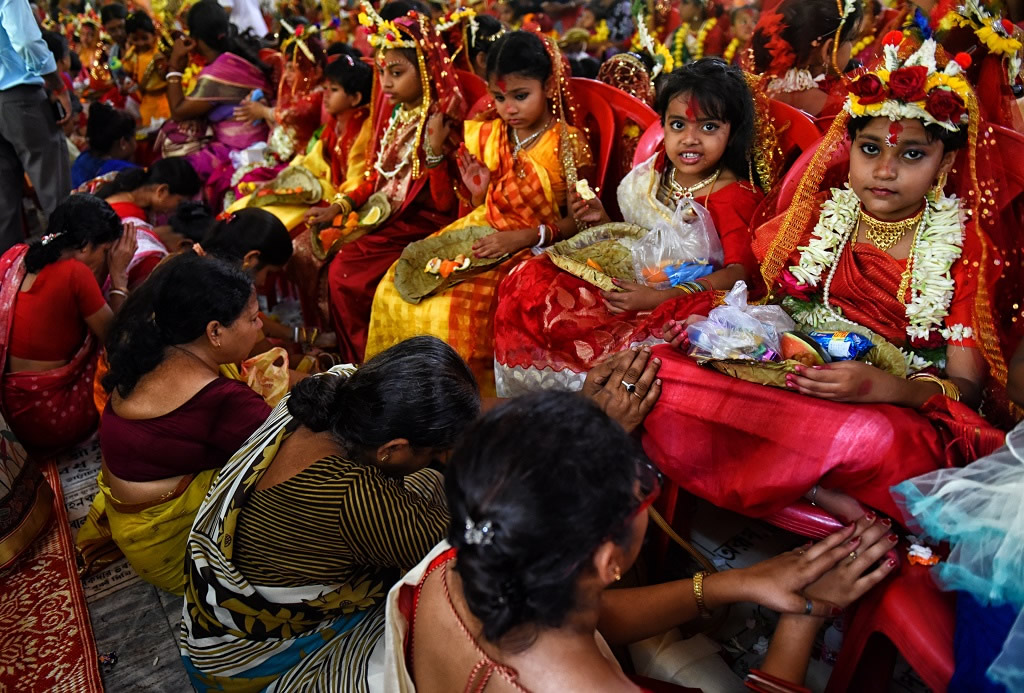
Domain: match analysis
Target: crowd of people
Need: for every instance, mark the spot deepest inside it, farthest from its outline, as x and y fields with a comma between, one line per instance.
x=519, y=319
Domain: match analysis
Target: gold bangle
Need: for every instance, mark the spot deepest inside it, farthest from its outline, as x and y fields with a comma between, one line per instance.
x=948, y=387
x=343, y=201
x=698, y=593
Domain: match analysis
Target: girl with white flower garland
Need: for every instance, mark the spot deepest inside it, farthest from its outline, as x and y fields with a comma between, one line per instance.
x=889, y=256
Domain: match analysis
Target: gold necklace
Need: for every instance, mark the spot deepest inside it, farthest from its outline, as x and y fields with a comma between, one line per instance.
x=886, y=234
x=677, y=191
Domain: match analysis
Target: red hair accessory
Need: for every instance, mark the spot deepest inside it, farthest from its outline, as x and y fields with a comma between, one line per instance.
x=1008, y=26
x=893, y=38
x=783, y=57
x=963, y=60
x=226, y=216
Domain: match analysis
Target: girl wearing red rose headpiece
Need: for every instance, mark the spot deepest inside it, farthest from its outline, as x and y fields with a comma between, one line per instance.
x=888, y=256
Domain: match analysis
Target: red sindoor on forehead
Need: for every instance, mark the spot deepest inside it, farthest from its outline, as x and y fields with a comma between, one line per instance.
x=501, y=85
x=893, y=138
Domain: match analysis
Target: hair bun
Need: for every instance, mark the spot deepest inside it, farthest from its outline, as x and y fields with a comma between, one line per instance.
x=312, y=400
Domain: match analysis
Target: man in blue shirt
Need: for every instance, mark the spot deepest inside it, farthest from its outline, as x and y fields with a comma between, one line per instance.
x=31, y=141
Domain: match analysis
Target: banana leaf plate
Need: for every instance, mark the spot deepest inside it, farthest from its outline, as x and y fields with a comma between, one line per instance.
x=414, y=283
x=608, y=246
x=371, y=215
x=295, y=185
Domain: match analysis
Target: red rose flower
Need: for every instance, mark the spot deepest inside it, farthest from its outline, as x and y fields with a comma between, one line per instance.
x=934, y=341
x=907, y=83
x=790, y=286
x=893, y=38
x=945, y=105
x=868, y=89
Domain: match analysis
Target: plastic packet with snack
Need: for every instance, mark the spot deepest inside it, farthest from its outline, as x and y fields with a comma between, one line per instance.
x=681, y=250
x=737, y=330
x=842, y=346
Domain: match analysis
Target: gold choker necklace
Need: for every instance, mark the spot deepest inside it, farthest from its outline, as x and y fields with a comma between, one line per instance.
x=886, y=234
x=678, y=191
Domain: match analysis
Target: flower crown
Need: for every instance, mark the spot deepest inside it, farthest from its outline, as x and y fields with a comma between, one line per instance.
x=915, y=88
x=385, y=34
x=297, y=39
x=999, y=35
x=643, y=40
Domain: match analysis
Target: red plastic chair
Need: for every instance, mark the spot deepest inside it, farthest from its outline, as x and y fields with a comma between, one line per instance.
x=909, y=614
x=599, y=120
x=649, y=142
x=795, y=128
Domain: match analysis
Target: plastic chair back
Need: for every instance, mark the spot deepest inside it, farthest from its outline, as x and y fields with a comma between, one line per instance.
x=649, y=143
x=599, y=120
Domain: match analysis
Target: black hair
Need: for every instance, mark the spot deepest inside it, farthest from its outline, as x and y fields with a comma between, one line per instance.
x=173, y=306
x=952, y=140
x=57, y=44
x=193, y=220
x=399, y=8
x=77, y=222
x=246, y=230
x=107, y=125
x=586, y=66
x=76, y=63
x=207, y=21
x=419, y=389
x=555, y=478
x=339, y=48
x=138, y=21
x=519, y=53
x=351, y=74
x=487, y=28
x=111, y=12
x=804, y=22
x=722, y=93
x=174, y=172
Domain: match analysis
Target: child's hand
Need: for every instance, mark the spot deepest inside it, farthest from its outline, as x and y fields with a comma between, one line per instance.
x=248, y=111
x=845, y=381
x=674, y=332
x=438, y=130
x=633, y=297
x=504, y=243
x=475, y=176
x=852, y=576
x=322, y=215
x=587, y=211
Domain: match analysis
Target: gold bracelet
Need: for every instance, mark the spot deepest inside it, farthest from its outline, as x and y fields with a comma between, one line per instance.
x=343, y=201
x=698, y=593
x=949, y=388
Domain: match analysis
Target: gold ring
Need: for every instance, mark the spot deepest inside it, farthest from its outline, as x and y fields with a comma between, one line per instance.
x=853, y=556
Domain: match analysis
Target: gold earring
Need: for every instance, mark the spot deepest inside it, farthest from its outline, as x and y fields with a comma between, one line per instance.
x=385, y=458
x=618, y=574
x=940, y=185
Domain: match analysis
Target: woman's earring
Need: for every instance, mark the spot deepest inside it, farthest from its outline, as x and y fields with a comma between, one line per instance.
x=618, y=574
x=385, y=458
x=940, y=185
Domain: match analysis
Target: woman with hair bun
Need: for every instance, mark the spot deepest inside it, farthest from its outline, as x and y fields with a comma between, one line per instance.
x=311, y=522
x=52, y=312
x=111, y=137
x=516, y=599
x=172, y=421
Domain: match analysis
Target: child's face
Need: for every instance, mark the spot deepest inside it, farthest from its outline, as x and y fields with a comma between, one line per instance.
x=893, y=165
x=87, y=34
x=689, y=10
x=115, y=27
x=337, y=100
x=694, y=143
x=399, y=78
x=143, y=41
x=743, y=25
x=506, y=15
x=587, y=20
x=521, y=101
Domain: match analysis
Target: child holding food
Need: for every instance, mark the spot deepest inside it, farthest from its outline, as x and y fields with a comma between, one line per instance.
x=888, y=257
x=555, y=326
x=517, y=184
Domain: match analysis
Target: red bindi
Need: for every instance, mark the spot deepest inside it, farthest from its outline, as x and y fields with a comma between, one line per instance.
x=893, y=138
x=501, y=85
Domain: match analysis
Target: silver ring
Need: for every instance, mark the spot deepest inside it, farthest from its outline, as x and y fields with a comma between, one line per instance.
x=630, y=387
x=808, y=607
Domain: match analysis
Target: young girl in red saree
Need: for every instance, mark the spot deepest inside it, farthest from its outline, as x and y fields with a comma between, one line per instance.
x=553, y=326
x=890, y=256
x=410, y=166
x=515, y=172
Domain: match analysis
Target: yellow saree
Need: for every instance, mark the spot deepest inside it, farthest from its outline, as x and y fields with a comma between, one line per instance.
x=463, y=316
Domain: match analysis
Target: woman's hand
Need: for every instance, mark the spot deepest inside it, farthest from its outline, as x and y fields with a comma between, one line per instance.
x=120, y=255
x=633, y=297
x=323, y=215
x=183, y=46
x=504, y=243
x=606, y=385
x=590, y=212
x=249, y=111
x=438, y=130
x=853, y=576
x=845, y=381
x=779, y=583
x=475, y=175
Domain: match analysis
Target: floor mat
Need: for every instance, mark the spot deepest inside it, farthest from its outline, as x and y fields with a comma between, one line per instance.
x=46, y=638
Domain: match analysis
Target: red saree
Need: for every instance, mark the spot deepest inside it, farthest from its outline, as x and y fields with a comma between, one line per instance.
x=554, y=326
x=47, y=410
x=755, y=449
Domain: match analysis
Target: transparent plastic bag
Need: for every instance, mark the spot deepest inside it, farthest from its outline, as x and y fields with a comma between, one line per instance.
x=736, y=330
x=682, y=250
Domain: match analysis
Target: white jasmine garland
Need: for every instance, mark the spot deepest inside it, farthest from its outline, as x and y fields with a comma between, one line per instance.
x=939, y=243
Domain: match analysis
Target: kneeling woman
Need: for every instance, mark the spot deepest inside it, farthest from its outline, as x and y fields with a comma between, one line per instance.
x=888, y=256
x=518, y=601
x=172, y=421
x=313, y=520
x=51, y=313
